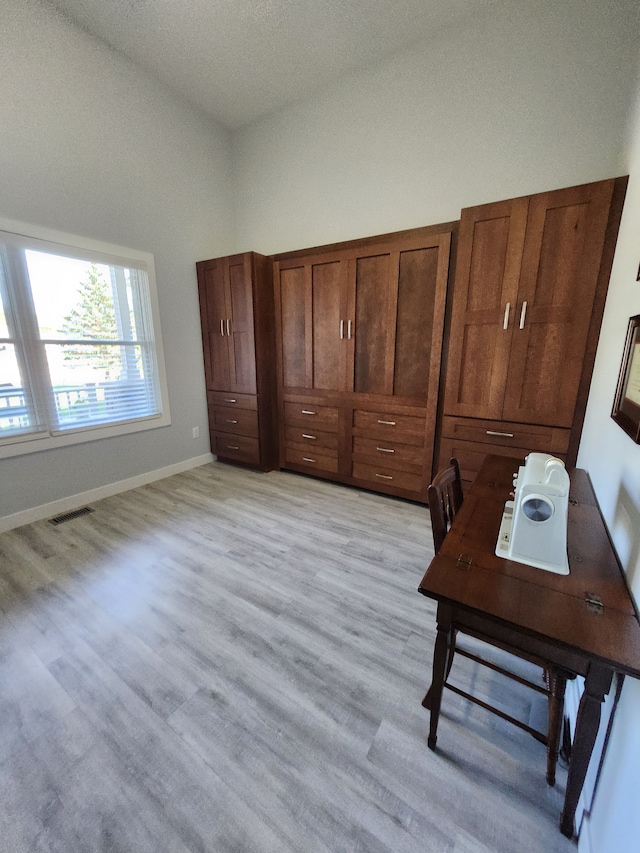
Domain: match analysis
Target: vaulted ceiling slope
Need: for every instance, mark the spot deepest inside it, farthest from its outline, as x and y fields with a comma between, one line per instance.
x=239, y=60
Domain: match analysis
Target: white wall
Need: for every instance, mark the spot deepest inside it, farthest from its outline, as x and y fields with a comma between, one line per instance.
x=529, y=97
x=613, y=461
x=90, y=146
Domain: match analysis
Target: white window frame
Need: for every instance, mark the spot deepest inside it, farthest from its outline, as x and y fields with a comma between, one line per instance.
x=18, y=445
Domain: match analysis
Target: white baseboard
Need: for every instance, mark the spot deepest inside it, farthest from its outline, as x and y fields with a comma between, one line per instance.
x=585, y=843
x=48, y=510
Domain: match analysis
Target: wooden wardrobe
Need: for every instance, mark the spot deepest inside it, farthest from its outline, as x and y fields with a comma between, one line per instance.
x=359, y=330
x=531, y=280
x=236, y=311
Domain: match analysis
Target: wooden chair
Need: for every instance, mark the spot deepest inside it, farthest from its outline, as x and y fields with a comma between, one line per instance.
x=445, y=499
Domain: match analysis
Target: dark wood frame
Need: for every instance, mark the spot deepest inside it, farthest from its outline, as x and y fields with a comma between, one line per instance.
x=625, y=412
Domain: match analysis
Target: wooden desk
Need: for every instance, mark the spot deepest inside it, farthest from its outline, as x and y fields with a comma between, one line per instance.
x=535, y=610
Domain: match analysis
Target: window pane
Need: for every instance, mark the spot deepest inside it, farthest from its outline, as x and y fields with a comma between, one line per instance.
x=98, y=383
x=14, y=413
x=72, y=298
x=4, y=328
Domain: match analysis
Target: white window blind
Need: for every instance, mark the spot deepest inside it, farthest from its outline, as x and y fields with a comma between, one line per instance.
x=78, y=348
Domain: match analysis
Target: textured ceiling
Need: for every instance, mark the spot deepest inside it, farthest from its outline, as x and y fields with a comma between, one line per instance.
x=239, y=60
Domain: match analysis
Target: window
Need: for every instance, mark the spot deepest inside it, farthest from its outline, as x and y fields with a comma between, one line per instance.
x=80, y=351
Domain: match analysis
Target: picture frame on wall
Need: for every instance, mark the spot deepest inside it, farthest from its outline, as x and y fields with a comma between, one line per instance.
x=626, y=406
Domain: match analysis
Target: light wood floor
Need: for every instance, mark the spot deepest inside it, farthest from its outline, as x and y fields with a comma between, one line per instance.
x=228, y=661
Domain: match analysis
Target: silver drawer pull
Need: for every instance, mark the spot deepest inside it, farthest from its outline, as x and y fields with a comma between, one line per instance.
x=232, y=447
x=306, y=435
x=385, y=450
x=384, y=476
x=230, y=421
x=308, y=459
x=308, y=412
x=230, y=400
x=387, y=423
x=501, y=434
x=222, y=328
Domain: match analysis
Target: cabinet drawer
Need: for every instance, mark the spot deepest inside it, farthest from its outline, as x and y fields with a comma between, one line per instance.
x=546, y=439
x=311, y=437
x=238, y=447
x=390, y=454
x=407, y=429
x=376, y=474
x=236, y=421
x=471, y=454
x=307, y=456
x=235, y=401
x=316, y=417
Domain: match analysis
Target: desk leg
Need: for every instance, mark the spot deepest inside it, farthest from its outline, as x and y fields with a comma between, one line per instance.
x=596, y=687
x=440, y=657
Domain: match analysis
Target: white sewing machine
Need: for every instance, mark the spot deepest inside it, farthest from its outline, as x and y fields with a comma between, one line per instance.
x=534, y=525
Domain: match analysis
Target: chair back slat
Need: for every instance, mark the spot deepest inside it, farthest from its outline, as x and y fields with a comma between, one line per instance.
x=445, y=499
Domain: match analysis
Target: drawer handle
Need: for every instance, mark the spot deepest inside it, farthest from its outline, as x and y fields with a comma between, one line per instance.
x=384, y=476
x=385, y=450
x=232, y=447
x=387, y=423
x=306, y=435
x=230, y=400
x=308, y=459
x=308, y=412
x=523, y=314
x=230, y=421
x=501, y=434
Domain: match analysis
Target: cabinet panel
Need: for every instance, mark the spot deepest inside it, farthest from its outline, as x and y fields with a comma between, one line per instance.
x=390, y=454
x=561, y=263
x=311, y=438
x=546, y=439
x=406, y=429
x=471, y=455
x=387, y=477
x=484, y=303
x=374, y=324
x=419, y=275
x=243, y=368
x=311, y=415
x=236, y=421
x=309, y=457
x=214, y=293
x=239, y=448
x=327, y=312
x=233, y=400
x=294, y=289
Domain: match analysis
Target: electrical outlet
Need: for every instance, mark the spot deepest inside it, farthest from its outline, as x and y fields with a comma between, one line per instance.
x=196, y=432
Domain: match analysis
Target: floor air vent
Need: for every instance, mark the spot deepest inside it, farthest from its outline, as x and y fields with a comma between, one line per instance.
x=67, y=516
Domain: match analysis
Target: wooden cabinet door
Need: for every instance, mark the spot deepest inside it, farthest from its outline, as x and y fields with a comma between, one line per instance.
x=240, y=337
x=560, y=266
x=397, y=299
x=419, y=318
x=489, y=259
x=311, y=306
x=371, y=310
x=214, y=293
